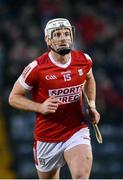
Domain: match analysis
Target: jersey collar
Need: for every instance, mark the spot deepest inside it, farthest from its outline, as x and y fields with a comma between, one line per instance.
x=59, y=64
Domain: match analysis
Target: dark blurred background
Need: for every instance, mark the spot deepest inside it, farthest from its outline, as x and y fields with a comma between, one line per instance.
x=99, y=32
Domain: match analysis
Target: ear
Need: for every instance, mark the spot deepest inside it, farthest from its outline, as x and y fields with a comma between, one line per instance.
x=48, y=41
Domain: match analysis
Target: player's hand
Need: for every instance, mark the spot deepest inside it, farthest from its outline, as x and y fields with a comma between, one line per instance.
x=94, y=115
x=50, y=105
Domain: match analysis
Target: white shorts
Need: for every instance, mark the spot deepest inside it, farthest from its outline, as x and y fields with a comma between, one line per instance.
x=49, y=156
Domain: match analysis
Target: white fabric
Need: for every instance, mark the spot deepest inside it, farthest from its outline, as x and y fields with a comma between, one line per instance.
x=22, y=83
x=87, y=56
x=59, y=64
x=50, y=155
x=25, y=74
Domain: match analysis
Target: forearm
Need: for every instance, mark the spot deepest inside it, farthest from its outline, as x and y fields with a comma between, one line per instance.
x=90, y=90
x=22, y=102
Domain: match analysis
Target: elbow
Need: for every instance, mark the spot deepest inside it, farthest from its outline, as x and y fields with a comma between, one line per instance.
x=11, y=100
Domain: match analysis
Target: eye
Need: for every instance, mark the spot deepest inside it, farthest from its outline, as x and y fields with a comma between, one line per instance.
x=67, y=33
x=57, y=34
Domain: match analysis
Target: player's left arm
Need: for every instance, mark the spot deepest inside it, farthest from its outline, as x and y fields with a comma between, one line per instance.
x=90, y=91
x=90, y=88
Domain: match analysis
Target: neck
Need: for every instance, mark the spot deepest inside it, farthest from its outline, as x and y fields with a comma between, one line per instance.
x=60, y=59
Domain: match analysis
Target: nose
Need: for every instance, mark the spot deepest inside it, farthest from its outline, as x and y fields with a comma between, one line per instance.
x=62, y=37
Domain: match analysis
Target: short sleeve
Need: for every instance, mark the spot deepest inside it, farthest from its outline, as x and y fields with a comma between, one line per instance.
x=29, y=76
x=87, y=57
x=89, y=62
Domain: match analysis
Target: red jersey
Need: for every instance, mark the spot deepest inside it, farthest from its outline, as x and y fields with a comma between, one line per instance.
x=47, y=78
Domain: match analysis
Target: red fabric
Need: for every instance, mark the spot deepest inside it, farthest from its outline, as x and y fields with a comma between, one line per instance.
x=68, y=119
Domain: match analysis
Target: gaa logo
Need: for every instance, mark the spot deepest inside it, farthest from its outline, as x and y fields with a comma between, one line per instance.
x=50, y=77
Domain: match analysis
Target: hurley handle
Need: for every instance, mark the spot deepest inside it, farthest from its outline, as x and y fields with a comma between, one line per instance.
x=96, y=129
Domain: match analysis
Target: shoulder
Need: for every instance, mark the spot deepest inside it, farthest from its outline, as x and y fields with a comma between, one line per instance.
x=35, y=64
x=82, y=59
x=42, y=59
x=80, y=54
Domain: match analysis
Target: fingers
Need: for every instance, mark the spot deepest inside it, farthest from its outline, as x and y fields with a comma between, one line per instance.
x=51, y=105
x=94, y=116
x=96, y=119
x=54, y=100
x=52, y=109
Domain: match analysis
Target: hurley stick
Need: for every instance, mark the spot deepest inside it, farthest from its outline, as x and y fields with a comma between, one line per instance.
x=96, y=129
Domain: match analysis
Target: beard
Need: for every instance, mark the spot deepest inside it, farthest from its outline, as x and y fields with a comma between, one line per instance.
x=62, y=50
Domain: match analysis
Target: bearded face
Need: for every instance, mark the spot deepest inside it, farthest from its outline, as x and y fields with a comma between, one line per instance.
x=60, y=41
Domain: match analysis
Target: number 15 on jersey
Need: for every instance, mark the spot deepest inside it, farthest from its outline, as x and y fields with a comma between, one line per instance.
x=67, y=77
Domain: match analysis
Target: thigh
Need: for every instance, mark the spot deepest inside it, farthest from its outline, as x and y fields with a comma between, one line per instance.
x=78, y=154
x=48, y=159
x=53, y=174
x=79, y=160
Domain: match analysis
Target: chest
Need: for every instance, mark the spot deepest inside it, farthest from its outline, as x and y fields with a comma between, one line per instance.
x=55, y=77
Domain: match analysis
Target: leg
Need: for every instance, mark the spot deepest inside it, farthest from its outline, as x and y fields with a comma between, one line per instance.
x=48, y=159
x=54, y=174
x=79, y=160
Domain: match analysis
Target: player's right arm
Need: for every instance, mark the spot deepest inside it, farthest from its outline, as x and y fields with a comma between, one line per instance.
x=25, y=83
x=18, y=99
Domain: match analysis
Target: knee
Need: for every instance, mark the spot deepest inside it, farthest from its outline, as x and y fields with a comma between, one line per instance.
x=80, y=176
x=83, y=174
